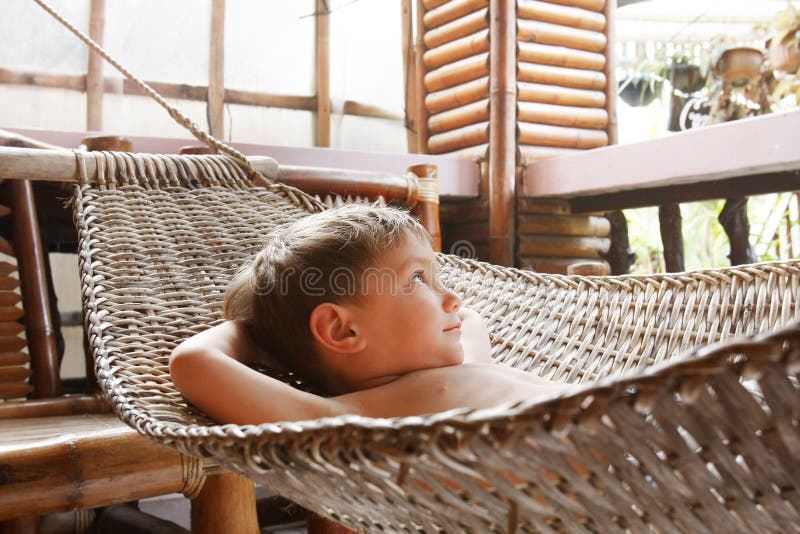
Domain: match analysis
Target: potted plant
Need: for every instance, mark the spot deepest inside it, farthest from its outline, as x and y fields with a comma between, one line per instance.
x=783, y=45
x=640, y=89
x=739, y=65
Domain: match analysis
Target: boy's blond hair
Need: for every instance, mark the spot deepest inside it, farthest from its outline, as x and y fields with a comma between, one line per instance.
x=302, y=266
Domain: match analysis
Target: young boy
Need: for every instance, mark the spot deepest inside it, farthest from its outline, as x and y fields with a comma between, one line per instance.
x=349, y=299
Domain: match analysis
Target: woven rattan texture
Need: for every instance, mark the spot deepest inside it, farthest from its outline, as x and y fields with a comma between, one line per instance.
x=647, y=444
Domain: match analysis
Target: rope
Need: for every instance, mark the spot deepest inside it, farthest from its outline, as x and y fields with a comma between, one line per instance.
x=179, y=117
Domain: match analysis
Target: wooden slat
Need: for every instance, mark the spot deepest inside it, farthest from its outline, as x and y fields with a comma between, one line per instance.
x=559, y=136
x=550, y=206
x=565, y=96
x=64, y=405
x=7, y=268
x=764, y=146
x=455, y=211
x=420, y=90
x=409, y=70
x=11, y=343
x=451, y=11
x=561, y=76
x=10, y=313
x=433, y=4
x=6, y=248
x=557, y=14
x=94, y=71
x=472, y=23
x=477, y=153
x=9, y=297
x=457, y=73
x=14, y=358
x=461, y=138
x=458, y=117
x=564, y=246
x=592, y=118
x=579, y=225
x=14, y=373
x=555, y=34
x=460, y=95
x=610, y=71
x=4, y=210
x=13, y=391
x=459, y=49
x=560, y=56
x=8, y=283
x=592, y=5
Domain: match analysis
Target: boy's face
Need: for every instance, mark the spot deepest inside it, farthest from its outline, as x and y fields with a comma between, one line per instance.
x=409, y=321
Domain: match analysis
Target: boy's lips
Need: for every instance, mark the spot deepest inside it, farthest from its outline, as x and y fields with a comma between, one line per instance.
x=452, y=328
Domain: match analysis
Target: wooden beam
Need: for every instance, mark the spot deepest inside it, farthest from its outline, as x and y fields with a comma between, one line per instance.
x=610, y=72
x=421, y=90
x=409, y=72
x=323, y=68
x=216, y=71
x=762, y=146
x=502, y=130
x=94, y=71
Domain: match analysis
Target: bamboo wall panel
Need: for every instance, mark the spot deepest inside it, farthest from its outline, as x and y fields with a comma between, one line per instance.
x=591, y=5
x=11, y=344
x=562, y=76
x=560, y=56
x=13, y=358
x=554, y=264
x=565, y=96
x=457, y=73
x=557, y=14
x=579, y=225
x=458, y=49
x=10, y=328
x=592, y=118
x=10, y=313
x=458, y=117
x=14, y=373
x=458, y=28
x=460, y=95
x=556, y=34
x=451, y=11
x=563, y=246
x=14, y=390
x=455, y=139
x=545, y=135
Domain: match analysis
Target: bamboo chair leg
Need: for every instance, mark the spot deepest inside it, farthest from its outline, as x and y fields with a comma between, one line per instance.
x=321, y=525
x=227, y=503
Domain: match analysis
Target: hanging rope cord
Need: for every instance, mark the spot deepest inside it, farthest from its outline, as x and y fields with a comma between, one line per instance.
x=179, y=117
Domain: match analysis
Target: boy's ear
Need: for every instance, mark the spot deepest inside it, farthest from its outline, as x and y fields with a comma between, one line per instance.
x=332, y=327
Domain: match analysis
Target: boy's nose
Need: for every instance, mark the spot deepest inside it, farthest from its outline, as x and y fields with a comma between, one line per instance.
x=451, y=302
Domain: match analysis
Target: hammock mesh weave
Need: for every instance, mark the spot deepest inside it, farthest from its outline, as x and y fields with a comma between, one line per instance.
x=663, y=436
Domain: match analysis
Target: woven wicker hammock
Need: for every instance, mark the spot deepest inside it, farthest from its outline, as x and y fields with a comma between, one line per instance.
x=663, y=436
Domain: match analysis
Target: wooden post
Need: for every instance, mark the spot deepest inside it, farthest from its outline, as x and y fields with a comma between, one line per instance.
x=670, y=221
x=619, y=256
x=322, y=28
x=94, y=72
x=610, y=72
x=502, y=130
x=409, y=79
x=733, y=219
x=419, y=81
x=39, y=327
x=216, y=71
x=225, y=504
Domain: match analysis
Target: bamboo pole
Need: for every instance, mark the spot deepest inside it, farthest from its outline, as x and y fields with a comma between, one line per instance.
x=558, y=14
x=455, y=139
x=460, y=95
x=236, y=512
x=477, y=153
x=610, y=74
x=55, y=407
x=433, y=4
x=459, y=49
x=61, y=166
x=451, y=11
x=427, y=208
x=94, y=70
x=463, y=211
x=13, y=391
x=458, y=117
x=592, y=5
x=467, y=25
x=351, y=107
x=216, y=71
x=419, y=82
x=561, y=57
x=559, y=136
x=502, y=142
x=562, y=76
x=567, y=246
x=457, y=73
x=565, y=96
x=250, y=98
x=575, y=225
x=558, y=265
x=409, y=69
x=322, y=32
x=555, y=34
x=322, y=181
x=592, y=118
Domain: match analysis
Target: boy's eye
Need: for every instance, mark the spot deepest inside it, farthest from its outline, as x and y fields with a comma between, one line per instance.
x=418, y=278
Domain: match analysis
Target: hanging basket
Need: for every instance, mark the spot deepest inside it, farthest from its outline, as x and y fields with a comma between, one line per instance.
x=784, y=54
x=739, y=65
x=639, y=89
x=685, y=77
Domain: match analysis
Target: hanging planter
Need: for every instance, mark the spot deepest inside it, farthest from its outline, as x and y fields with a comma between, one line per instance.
x=639, y=89
x=784, y=54
x=685, y=77
x=739, y=65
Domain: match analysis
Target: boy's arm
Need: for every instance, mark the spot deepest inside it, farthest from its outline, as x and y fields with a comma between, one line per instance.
x=474, y=337
x=208, y=370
